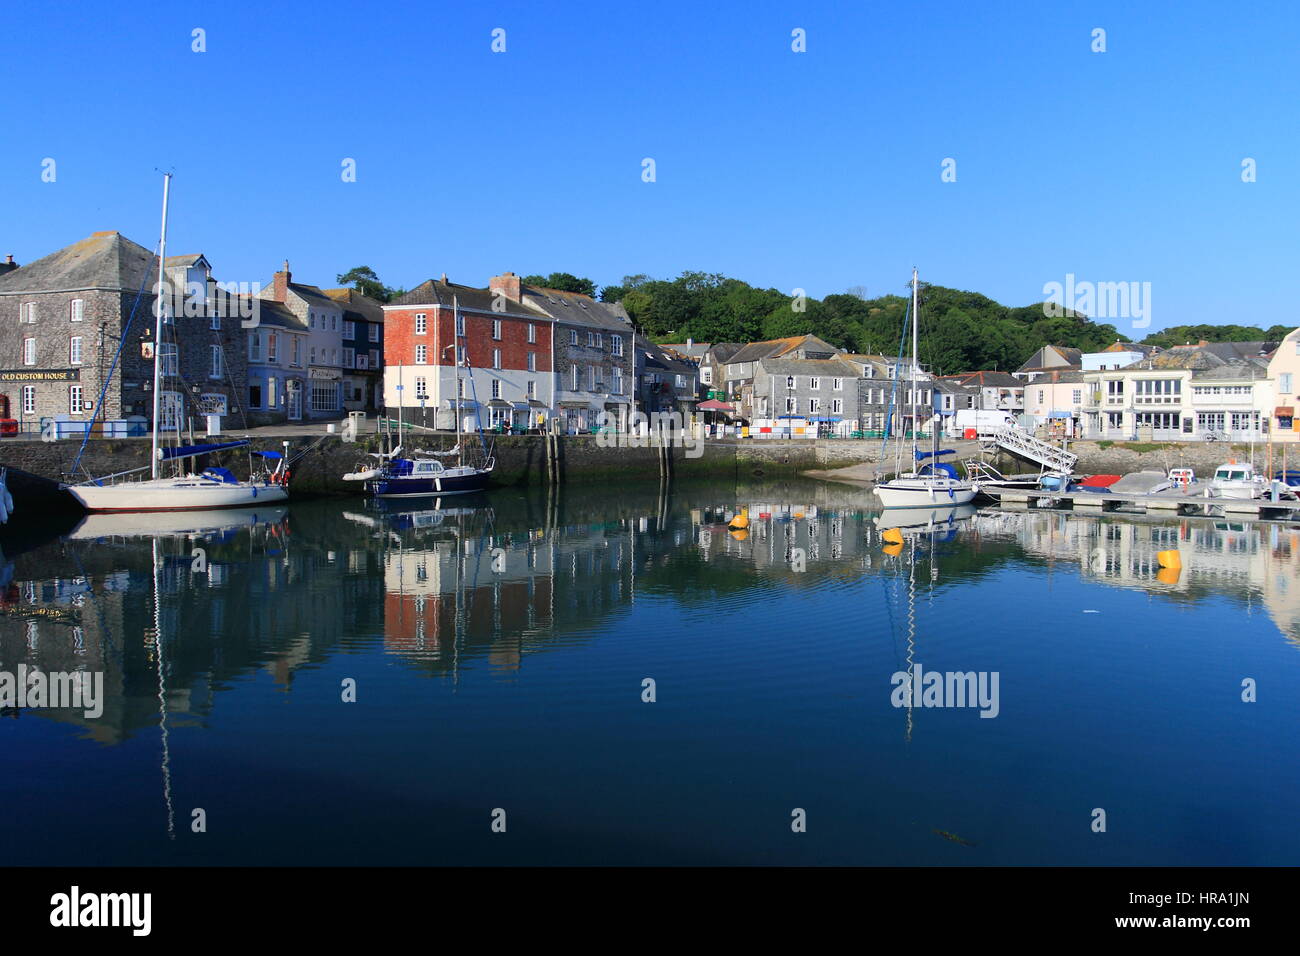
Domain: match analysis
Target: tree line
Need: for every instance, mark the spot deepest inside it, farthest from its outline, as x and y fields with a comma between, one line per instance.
x=960, y=331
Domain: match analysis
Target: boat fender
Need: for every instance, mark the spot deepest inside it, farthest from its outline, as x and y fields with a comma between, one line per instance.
x=892, y=536
x=1169, y=559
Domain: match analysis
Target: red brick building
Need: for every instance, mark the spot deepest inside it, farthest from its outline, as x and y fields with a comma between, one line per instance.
x=506, y=376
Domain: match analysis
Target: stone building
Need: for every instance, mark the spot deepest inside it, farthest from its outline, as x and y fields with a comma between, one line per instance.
x=64, y=316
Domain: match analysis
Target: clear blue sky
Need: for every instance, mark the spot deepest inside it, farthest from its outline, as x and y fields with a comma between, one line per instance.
x=818, y=170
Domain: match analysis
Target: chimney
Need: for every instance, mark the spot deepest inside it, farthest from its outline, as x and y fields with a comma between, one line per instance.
x=280, y=284
x=690, y=342
x=507, y=284
x=8, y=265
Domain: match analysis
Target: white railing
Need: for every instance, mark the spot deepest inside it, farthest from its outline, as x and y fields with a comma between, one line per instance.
x=1036, y=450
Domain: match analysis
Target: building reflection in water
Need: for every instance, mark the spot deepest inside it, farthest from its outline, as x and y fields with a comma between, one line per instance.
x=491, y=581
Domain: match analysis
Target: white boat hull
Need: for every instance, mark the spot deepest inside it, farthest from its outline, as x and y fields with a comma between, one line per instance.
x=924, y=492
x=175, y=494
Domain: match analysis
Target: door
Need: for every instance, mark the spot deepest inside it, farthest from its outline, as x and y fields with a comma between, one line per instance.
x=293, y=399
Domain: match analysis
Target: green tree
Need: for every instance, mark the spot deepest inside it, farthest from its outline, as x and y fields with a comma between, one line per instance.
x=562, y=282
x=365, y=281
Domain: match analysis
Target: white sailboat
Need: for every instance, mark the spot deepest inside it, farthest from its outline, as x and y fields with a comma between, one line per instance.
x=213, y=488
x=933, y=484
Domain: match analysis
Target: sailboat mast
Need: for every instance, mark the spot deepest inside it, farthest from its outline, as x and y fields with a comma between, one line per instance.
x=455, y=354
x=160, y=308
x=916, y=316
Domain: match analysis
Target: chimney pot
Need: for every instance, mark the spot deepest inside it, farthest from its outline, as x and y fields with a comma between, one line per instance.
x=9, y=259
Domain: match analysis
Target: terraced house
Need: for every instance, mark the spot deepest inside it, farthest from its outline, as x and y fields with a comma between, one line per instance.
x=321, y=395
x=1189, y=392
x=66, y=316
x=504, y=379
x=363, y=348
x=592, y=357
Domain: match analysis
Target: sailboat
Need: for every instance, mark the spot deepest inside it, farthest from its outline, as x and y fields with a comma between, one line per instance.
x=212, y=488
x=934, y=484
x=425, y=473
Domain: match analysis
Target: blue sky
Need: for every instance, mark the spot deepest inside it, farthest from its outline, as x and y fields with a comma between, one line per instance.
x=817, y=170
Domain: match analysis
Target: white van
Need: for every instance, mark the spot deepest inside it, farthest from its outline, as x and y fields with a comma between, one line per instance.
x=985, y=423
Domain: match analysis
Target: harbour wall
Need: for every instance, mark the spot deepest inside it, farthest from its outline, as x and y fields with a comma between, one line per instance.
x=582, y=459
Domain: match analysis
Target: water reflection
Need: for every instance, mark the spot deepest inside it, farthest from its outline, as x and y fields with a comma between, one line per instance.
x=499, y=580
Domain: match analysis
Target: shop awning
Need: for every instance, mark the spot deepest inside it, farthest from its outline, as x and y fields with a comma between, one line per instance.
x=1284, y=411
x=498, y=403
x=573, y=405
x=534, y=403
x=713, y=405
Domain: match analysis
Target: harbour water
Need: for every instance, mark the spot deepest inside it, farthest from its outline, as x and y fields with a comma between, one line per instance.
x=502, y=649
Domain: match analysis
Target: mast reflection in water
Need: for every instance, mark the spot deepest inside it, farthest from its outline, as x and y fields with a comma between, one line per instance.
x=349, y=682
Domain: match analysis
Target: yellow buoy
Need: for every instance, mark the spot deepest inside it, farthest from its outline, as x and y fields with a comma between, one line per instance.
x=1169, y=559
x=1168, y=575
x=893, y=550
x=892, y=536
x=740, y=534
x=739, y=521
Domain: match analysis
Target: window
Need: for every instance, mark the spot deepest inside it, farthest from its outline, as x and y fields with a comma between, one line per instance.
x=421, y=389
x=29, y=399
x=74, y=350
x=837, y=384
x=255, y=396
x=1042, y=396
x=496, y=329
x=789, y=381
x=422, y=355
x=214, y=403
x=217, y=369
x=255, y=343
x=311, y=320
x=363, y=361
x=573, y=336
x=814, y=382
x=460, y=325
x=295, y=352
x=214, y=323
x=77, y=310
x=496, y=358
x=616, y=345
x=27, y=313
x=814, y=405
x=532, y=361
x=169, y=359
x=575, y=375
x=324, y=396
x=591, y=339
x=349, y=358
x=706, y=374
x=270, y=395
x=374, y=358
x=496, y=388
x=460, y=388
x=334, y=323
x=591, y=378
x=618, y=381
x=531, y=389
x=421, y=323
x=74, y=400
x=29, y=351
x=837, y=406
x=1077, y=396
x=349, y=329
x=532, y=332
x=600, y=340
x=791, y=406
x=1284, y=383
x=374, y=332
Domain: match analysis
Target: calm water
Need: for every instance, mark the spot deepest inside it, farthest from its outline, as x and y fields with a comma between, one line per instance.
x=499, y=648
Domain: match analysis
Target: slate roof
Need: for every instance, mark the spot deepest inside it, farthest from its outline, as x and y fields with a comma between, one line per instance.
x=773, y=348
x=357, y=305
x=654, y=357
x=1072, y=358
x=103, y=260
x=274, y=315
x=441, y=292
x=1210, y=355
x=986, y=379
x=573, y=308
